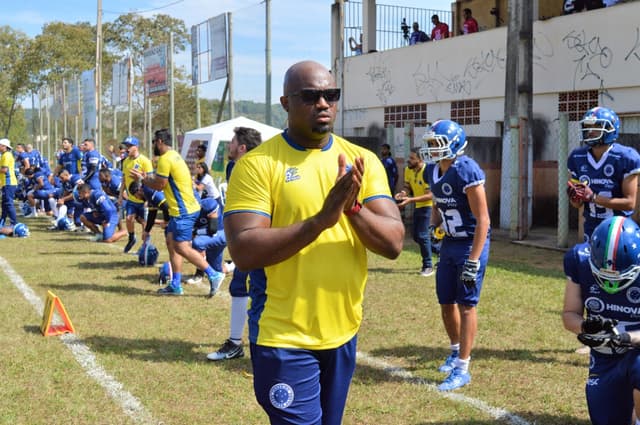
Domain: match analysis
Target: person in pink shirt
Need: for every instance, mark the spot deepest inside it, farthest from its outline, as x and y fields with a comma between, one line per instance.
x=470, y=25
x=440, y=29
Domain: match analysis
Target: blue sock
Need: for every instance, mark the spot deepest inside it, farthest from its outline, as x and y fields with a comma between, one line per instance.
x=209, y=271
x=177, y=278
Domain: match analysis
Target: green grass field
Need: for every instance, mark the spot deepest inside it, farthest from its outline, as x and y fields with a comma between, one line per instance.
x=524, y=368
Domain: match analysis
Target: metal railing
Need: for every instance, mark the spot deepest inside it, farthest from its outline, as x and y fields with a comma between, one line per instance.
x=389, y=33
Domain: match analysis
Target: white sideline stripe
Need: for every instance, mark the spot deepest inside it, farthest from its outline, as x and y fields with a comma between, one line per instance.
x=405, y=375
x=131, y=406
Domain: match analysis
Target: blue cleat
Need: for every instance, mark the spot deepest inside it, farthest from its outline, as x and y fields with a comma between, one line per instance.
x=447, y=366
x=170, y=290
x=456, y=379
x=215, y=280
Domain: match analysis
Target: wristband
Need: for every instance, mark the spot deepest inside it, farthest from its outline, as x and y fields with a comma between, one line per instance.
x=355, y=209
x=593, y=198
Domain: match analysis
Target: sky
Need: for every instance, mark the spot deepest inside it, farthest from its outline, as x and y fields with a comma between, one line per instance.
x=300, y=30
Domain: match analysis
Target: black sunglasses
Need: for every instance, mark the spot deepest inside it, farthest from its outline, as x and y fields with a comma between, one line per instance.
x=312, y=96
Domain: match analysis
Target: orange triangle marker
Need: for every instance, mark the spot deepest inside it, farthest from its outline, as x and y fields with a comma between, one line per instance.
x=54, y=305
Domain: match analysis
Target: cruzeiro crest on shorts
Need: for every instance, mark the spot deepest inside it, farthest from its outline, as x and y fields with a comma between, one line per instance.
x=281, y=395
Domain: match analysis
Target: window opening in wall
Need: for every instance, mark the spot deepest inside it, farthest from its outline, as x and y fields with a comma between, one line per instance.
x=576, y=103
x=466, y=112
x=398, y=115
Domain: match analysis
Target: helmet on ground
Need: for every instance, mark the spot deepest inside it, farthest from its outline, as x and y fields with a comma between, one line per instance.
x=26, y=208
x=600, y=125
x=166, y=274
x=20, y=230
x=63, y=224
x=148, y=254
x=615, y=253
x=445, y=139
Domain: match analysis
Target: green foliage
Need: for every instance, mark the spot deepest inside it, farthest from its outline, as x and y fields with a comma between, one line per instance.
x=13, y=77
x=65, y=50
x=132, y=34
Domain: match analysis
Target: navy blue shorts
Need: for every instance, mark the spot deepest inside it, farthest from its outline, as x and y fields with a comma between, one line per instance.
x=296, y=386
x=134, y=208
x=610, y=386
x=449, y=287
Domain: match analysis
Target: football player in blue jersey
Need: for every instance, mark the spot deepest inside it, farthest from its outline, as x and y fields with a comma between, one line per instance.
x=457, y=184
x=91, y=159
x=111, y=182
x=43, y=190
x=67, y=206
x=70, y=158
x=603, y=174
x=103, y=213
x=209, y=236
x=601, y=304
x=155, y=202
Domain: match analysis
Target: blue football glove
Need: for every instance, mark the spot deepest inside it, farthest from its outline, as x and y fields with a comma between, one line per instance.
x=470, y=272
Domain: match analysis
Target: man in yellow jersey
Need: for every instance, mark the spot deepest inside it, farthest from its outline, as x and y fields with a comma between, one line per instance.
x=173, y=178
x=307, y=205
x=8, y=182
x=133, y=206
x=416, y=190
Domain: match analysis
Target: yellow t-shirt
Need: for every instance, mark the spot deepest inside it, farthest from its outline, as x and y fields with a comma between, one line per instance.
x=8, y=178
x=415, y=180
x=140, y=163
x=179, y=189
x=313, y=299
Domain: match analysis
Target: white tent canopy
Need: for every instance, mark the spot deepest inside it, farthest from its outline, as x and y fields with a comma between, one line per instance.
x=214, y=134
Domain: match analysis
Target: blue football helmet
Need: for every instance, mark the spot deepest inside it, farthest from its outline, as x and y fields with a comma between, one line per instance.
x=63, y=224
x=26, y=209
x=20, y=230
x=600, y=126
x=445, y=139
x=148, y=254
x=166, y=274
x=615, y=253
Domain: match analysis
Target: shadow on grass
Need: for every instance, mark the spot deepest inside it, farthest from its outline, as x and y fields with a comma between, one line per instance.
x=145, y=277
x=420, y=354
x=76, y=253
x=161, y=351
x=110, y=265
x=125, y=290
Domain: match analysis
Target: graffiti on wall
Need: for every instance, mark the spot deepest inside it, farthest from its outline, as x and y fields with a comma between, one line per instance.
x=380, y=77
x=433, y=80
x=635, y=49
x=591, y=58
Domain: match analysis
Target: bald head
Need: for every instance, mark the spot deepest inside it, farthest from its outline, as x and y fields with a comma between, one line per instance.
x=310, y=98
x=299, y=75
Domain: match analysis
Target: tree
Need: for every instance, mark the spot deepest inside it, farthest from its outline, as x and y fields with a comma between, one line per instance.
x=64, y=50
x=132, y=34
x=13, y=47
